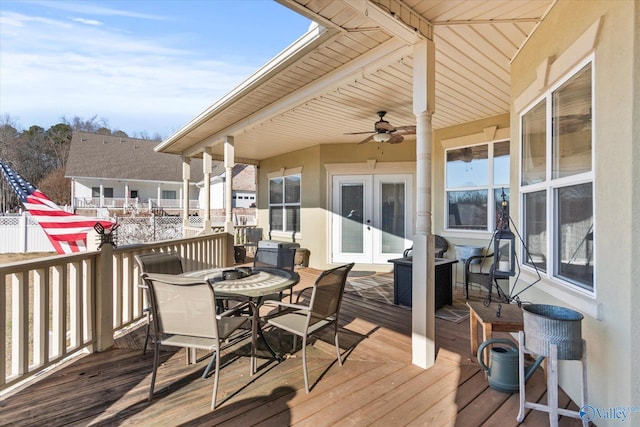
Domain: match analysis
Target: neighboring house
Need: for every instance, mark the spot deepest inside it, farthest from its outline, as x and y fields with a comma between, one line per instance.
x=126, y=174
x=539, y=99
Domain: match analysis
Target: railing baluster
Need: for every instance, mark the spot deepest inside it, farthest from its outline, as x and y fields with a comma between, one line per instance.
x=19, y=323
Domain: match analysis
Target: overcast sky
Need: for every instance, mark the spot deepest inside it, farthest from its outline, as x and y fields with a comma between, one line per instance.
x=142, y=65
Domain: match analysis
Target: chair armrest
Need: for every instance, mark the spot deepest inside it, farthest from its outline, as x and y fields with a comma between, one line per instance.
x=286, y=304
x=302, y=292
x=235, y=309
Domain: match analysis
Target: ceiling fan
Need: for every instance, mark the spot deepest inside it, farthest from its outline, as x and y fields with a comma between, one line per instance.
x=385, y=132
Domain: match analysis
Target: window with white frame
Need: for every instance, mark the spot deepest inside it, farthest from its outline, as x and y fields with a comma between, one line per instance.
x=476, y=177
x=284, y=203
x=557, y=181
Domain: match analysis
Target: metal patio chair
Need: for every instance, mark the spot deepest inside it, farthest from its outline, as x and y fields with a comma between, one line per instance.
x=184, y=313
x=323, y=311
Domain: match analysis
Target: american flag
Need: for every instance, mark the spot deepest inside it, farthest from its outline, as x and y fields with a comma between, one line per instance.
x=66, y=231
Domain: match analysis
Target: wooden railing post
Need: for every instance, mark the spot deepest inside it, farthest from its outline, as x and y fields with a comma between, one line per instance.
x=104, y=299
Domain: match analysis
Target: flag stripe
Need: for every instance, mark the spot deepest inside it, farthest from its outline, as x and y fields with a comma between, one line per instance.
x=66, y=231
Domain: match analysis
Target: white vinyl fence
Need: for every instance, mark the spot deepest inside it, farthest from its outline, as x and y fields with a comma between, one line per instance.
x=22, y=234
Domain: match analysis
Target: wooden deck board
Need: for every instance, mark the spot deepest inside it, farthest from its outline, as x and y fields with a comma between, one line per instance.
x=377, y=385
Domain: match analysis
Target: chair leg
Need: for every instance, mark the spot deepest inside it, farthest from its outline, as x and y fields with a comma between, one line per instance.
x=304, y=362
x=205, y=374
x=148, y=331
x=215, y=381
x=156, y=359
x=337, y=345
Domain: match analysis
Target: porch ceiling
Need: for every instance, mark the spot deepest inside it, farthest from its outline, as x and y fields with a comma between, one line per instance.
x=335, y=79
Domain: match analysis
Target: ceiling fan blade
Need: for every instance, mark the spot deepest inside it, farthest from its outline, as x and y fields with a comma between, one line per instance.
x=357, y=133
x=406, y=130
x=367, y=139
x=396, y=138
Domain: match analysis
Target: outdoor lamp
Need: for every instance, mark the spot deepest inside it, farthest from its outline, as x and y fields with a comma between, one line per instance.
x=504, y=249
x=381, y=137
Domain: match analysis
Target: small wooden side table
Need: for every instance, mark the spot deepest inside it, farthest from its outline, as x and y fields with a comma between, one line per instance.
x=510, y=320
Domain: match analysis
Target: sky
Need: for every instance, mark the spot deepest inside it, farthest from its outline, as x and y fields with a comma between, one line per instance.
x=142, y=66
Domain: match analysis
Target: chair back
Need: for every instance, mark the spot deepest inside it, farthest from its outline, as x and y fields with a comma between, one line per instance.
x=159, y=262
x=254, y=235
x=327, y=292
x=283, y=258
x=182, y=305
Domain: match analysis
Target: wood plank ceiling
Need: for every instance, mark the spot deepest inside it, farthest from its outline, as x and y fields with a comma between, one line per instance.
x=336, y=81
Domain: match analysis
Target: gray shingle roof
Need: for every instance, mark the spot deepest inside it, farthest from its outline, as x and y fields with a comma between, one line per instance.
x=113, y=157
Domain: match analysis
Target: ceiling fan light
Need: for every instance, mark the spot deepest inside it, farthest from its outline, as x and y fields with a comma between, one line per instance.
x=381, y=137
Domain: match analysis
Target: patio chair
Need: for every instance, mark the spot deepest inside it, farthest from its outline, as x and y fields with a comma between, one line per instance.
x=253, y=236
x=283, y=258
x=184, y=312
x=322, y=311
x=478, y=269
x=156, y=262
x=441, y=246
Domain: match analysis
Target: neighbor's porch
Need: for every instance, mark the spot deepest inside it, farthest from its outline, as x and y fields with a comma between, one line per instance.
x=376, y=385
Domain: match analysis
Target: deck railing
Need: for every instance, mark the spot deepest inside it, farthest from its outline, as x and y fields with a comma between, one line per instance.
x=53, y=308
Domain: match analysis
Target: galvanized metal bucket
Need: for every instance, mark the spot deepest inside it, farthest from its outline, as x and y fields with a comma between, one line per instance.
x=551, y=324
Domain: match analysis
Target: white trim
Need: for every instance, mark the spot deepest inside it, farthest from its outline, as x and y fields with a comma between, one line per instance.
x=285, y=172
x=477, y=138
x=550, y=71
x=572, y=294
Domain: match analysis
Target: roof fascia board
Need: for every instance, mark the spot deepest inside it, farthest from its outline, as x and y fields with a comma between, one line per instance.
x=392, y=18
x=309, y=41
x=307, y=13
x=385, y=54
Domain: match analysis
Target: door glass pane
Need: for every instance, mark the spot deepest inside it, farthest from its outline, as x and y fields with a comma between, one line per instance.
x=572, y=126
x=535, y=229
x=467, y=209
x=393, y=210
x=352, y=204
x=575, y=234
x=468, y=166
x=534, y=146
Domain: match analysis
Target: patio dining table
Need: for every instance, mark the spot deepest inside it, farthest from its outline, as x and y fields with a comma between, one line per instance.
x=259, y=283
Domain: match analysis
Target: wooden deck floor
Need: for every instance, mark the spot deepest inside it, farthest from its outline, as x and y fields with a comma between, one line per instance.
x=377, y=385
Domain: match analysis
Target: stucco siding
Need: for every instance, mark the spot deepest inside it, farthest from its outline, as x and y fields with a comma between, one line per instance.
x=609, y=328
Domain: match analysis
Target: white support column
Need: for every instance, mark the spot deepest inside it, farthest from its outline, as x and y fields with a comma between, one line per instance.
x=206, y=170
x=186, y=176
x=423, y=286
x=126, y=194
x=229, y=163
x=159, y=195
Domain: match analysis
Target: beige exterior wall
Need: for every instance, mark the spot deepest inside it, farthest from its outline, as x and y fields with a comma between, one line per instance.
x=610, y=326
x=314, y=224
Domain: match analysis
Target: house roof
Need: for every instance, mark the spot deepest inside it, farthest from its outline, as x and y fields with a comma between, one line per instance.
x=112, y=157
x=359, y=60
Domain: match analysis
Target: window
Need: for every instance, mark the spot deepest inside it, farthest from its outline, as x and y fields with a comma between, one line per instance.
x=107, y=192
x=169, y=194
x=284, y=203
x=476, y=177
x=557, y=181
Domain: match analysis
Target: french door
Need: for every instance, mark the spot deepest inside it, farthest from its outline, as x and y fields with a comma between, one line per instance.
x=371, y=217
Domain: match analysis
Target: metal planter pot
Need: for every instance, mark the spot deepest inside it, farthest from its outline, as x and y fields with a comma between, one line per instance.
x=550, y=324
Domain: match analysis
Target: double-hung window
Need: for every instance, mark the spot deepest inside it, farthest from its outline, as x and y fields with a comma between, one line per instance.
x=476, y=177
x=284, y=203
x=557, y=181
